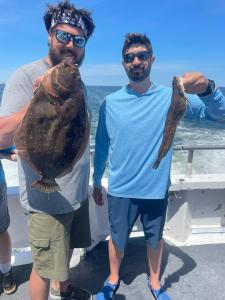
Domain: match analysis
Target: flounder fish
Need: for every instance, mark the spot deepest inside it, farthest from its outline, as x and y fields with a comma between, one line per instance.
x=176, y=111
x=54, y=132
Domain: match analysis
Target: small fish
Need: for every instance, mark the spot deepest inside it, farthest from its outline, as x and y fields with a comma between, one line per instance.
x=176, y=111
x=54, y=132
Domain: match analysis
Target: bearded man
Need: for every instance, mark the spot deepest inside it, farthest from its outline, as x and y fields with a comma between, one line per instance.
x=130, y=132
x=58, y=222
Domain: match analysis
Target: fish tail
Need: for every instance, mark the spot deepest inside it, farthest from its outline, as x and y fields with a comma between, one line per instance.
x=46, y=185
x=156, y=163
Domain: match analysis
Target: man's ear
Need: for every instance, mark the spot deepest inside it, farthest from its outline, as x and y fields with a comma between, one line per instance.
x=50, y=34
x=152, y=59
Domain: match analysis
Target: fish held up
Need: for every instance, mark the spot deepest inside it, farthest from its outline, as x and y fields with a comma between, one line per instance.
x=175, y=113
x=54, y=133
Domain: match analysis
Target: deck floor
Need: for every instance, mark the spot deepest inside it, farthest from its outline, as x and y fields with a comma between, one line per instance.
x=188, y=273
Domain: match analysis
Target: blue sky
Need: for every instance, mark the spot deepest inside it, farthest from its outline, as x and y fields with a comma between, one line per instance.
x=187, y=35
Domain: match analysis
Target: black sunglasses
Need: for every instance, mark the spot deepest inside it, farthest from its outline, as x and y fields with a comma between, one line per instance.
x=142, y=56
x=65, y=37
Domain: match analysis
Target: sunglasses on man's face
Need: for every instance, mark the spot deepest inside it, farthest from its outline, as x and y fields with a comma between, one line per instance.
x=65, y=37
x=142, y=56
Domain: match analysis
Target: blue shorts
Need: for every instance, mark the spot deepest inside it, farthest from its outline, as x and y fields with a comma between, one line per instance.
x=4, y=213
x=123, y=213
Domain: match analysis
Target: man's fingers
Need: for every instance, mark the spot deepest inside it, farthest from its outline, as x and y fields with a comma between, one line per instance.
x=99, y=200
x=14, y=157
x=194, y=82
x=98, y=197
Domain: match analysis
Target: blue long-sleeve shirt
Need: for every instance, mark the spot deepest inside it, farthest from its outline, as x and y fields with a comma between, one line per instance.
x=5, y=151
x=2, y=174
x=130, y=132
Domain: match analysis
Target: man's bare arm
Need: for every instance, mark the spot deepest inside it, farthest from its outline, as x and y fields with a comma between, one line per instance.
x=8, y=126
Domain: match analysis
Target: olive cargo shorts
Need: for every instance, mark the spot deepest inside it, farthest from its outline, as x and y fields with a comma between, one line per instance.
x=52, y=236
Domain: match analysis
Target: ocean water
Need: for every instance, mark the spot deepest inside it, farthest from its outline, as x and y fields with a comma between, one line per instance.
x=188, y=132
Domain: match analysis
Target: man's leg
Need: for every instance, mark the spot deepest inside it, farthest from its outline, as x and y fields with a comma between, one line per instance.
x=5, y=241
x=5, y=248
x=80, y=237
x=62, y=285
x=153, y=214
x=154, y=261
x=112, y=283
x=123, y=212
x=8, y=282
x=39, y=287
x=115, y=258
x=49, y=240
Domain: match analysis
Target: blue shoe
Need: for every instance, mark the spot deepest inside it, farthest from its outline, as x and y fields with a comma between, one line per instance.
x=159, y=294
x=108, y=291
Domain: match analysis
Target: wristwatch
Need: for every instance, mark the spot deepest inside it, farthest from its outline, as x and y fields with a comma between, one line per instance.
x=210, y=89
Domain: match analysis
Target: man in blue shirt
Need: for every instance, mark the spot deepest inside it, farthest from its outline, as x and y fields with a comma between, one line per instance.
x=8, y=282
x=130, y=132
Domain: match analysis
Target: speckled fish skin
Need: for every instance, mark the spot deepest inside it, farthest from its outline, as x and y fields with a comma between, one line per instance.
x=176, y=111
x=55, y=130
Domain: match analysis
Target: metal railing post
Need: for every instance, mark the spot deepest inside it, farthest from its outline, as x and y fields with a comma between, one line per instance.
x=188, y=172
x=92, y=159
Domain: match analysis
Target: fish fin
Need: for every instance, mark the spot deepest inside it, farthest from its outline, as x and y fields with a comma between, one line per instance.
x=46, y=185
x=156, y=164
x=188, y=104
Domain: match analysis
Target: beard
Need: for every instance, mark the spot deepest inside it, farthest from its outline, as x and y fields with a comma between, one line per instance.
x=58, y=55
x=138, y=74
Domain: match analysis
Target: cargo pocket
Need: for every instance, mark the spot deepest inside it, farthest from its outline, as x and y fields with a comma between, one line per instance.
x=41, y=243
x=41, y=254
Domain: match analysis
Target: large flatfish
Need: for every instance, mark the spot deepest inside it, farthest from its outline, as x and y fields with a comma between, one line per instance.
x=176, y=111
x=54, y=132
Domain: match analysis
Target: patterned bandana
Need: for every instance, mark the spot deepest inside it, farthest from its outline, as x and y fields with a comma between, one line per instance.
x=66, y=18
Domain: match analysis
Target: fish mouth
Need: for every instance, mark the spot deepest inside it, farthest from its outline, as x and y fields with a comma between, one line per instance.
x=69, y=58
x=69, y=62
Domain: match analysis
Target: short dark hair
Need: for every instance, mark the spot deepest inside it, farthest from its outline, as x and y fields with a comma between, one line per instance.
x=66, y=5
x=136, y=38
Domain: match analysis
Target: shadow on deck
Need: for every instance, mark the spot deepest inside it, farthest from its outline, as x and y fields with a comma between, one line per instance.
x=188, y=273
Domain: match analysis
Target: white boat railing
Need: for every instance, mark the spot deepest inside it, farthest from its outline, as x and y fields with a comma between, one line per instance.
x=184, y=147
x=191, y=148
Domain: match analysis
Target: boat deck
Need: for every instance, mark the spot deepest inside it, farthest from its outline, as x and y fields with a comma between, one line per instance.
x=188, y=273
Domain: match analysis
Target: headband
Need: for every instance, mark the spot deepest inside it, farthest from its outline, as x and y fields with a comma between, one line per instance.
x=67, y=18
